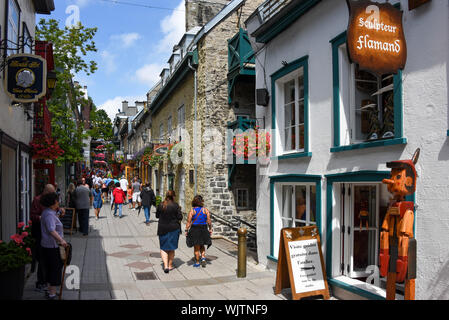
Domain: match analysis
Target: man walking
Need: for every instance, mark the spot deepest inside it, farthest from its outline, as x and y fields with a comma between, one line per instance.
x=83, y=201
x=148, y=199
x=136, y=193
x=124, y=184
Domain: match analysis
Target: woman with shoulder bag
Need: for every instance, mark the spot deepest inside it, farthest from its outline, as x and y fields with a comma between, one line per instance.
x=197, y=233
x=52, y=237
x=169, y=228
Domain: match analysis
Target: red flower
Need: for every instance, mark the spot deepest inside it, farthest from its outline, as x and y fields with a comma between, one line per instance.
x=21, y=225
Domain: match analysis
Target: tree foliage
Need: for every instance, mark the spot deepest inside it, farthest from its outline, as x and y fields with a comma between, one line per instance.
x=70, y=48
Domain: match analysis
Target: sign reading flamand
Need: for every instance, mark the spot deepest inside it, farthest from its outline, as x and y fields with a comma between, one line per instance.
x=375, y=38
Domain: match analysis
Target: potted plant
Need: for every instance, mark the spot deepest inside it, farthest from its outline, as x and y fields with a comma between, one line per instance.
x=14, y=255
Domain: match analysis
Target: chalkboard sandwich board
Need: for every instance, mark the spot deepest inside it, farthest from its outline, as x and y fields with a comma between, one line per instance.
x=301, y=263
x=69, y=220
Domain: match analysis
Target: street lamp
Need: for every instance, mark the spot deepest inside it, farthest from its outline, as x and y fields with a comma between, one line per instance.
x=51, y=81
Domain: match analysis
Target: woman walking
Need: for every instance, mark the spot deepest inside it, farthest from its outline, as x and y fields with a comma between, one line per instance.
x=197, y=232
x=169, y=228
x=98, y=200
x=52, y=237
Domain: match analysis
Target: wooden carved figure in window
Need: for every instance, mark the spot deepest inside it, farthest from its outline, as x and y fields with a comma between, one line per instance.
x=364, y=215
x=397, y=243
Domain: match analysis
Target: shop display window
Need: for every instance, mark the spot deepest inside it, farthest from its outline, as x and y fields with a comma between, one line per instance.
x=298, y=206
x=362, y=210
x=367, y=103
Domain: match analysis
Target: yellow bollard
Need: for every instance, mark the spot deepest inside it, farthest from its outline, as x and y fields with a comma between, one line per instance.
x=241, y=263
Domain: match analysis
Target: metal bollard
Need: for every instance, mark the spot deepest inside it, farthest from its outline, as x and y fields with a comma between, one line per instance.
x=241, y=263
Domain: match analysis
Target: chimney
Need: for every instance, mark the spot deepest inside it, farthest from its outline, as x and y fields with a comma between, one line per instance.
x=125, y=107
x=200, y=12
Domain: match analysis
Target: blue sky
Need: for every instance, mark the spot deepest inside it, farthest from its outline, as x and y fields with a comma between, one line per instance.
x=134, y=44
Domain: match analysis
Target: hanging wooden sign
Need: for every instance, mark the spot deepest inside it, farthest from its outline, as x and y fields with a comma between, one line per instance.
x=375, y=37
x=301, y=263
x=25, y=77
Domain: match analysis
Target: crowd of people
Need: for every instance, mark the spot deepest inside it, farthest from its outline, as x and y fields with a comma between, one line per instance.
x=93, y=191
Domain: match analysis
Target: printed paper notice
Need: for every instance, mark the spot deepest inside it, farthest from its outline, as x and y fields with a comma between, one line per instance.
x=306, y=265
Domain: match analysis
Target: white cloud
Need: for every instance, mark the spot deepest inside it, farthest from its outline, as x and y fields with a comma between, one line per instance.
x=126, y=39
x=112, y=106
x=173, y=28
x=149, y=74
x=81, y=3
x=108, y=62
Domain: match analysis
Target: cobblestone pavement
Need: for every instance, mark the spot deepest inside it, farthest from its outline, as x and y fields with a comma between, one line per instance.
x=120, y=260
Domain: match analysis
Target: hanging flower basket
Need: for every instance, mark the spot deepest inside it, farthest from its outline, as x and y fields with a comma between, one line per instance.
x=45, y=148
x=250, y=144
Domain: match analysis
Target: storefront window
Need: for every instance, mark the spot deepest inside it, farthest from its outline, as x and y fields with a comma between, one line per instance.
x=298, y=205
x=363, y=208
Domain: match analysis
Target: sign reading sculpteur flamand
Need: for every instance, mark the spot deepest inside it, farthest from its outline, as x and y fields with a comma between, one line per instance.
x=375, y=36
x=25, y=77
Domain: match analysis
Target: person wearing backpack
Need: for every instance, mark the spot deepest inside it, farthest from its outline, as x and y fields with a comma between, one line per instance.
x=197, y=232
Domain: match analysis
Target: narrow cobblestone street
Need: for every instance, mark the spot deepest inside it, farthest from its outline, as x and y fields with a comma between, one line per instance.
x=120, y=260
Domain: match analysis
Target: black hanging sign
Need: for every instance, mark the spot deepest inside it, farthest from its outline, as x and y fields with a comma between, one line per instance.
x=25, y=77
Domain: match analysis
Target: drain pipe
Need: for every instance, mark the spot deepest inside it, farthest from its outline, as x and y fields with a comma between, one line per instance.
x=195, y=88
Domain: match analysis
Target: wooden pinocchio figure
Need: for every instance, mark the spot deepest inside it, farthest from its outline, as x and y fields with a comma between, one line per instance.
x=397, y=243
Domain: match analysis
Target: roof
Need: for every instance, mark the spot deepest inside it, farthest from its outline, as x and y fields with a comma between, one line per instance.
x=44, y=6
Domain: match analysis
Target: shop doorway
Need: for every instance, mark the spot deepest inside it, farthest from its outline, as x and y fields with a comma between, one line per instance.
x=363, y=207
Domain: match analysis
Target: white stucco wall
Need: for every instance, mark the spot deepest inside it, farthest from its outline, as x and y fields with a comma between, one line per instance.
x=13, y=119
x=425, y=117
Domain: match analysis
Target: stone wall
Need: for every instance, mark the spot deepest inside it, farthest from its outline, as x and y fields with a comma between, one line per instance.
x=199, y=12
x=215, y=112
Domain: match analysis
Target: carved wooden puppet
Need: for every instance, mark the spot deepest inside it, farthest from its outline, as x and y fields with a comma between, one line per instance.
x=397, y=242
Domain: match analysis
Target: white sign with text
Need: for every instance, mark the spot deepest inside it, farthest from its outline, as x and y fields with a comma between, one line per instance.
x=306, y=265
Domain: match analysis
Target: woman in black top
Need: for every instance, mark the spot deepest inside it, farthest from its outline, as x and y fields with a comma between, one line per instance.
x=169, y=228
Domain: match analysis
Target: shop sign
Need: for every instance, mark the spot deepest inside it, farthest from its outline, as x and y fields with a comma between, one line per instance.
x=161, y=150
x=301, y=263
x=375, y=37
x=25, y=77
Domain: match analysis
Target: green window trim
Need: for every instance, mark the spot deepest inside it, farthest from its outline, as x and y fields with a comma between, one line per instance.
x=289, y=68
x=373, y=144
x=293, y=156
x=293, y=178
x=349, y=177
x=398, y=105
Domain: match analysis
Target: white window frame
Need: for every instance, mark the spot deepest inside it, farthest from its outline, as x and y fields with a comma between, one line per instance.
x=26, y=36
x=348, y=248
x=246, y=194
x=13, y=30
x=161, y=132
x=348, y=108
x=181, y=121
x=169, y=128
x=279, y=207
x=280, y=111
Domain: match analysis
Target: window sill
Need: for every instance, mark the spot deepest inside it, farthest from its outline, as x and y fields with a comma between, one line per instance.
x=364, y=145
x=358, y=287
x=293, y=156
x=274, y=259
